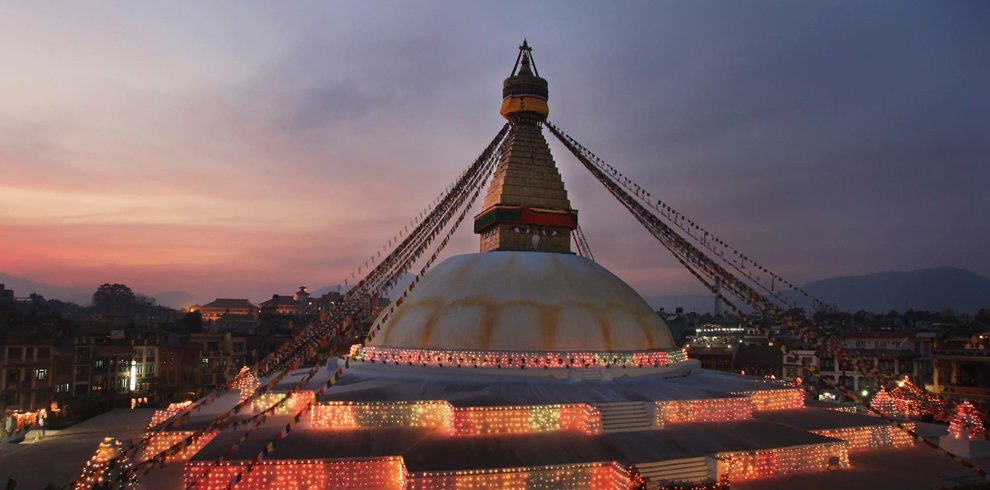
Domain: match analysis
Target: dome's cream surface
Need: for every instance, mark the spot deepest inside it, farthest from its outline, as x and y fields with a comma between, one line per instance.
x=524, y=301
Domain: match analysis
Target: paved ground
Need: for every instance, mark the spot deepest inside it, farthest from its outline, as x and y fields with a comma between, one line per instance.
x=903, y=468
x=59, y=458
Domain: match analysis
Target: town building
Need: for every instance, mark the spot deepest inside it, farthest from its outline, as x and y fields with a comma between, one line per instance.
x=282, y=305
x=962, y=369
x=221, y=356
x=219, y=307
x=36, y=371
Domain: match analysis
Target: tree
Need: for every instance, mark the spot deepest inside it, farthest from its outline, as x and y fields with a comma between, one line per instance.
x=113, y=296
x=192, y=322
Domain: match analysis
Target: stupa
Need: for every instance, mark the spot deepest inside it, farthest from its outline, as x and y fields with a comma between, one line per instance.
x=527, y=366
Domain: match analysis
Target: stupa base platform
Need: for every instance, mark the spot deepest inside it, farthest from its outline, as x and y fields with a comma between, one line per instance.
x=466, y=386
x=747, y=449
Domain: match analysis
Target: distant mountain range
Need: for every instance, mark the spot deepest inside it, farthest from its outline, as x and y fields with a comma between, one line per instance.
x=24, y=287
x=925, y=289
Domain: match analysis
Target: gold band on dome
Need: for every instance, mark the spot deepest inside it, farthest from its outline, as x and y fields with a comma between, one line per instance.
x=524, y=103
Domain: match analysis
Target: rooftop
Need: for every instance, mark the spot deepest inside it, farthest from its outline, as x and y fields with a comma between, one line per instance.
x=228, y=303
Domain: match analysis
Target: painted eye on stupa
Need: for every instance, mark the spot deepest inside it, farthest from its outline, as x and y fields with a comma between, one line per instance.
x=521, y=229
x=549, y=232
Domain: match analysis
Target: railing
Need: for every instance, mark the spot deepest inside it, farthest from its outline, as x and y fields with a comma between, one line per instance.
x=978, y=353
x=966, y=390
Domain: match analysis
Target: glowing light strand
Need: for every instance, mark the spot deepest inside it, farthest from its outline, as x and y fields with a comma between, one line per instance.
x=519, y=360
x=967, y=422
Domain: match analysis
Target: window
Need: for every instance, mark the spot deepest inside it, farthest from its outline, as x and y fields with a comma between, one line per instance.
x=82, y=373
x=212, y=346
x=14, y=353
x=828, y=364
x=44, y=352
x=41, y=374
x=149, y=369
x=100, y=363
x=28, y=353
x=62, y=388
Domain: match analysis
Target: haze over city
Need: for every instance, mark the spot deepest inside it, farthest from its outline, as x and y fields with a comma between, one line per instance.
x=233, y=150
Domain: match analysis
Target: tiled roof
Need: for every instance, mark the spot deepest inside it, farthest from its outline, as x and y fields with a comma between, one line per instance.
x=278, y=300
x=228, y=304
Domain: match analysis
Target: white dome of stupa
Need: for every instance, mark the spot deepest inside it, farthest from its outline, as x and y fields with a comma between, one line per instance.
x=524, y=301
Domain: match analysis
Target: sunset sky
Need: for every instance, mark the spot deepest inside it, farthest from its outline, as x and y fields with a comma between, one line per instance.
x=237, y=149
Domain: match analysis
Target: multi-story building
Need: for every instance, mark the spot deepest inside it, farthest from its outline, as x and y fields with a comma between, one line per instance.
x=113, y=371
x=758, y=360
x=35, y=373
x=718, y=358
x=221, y=356
x=213, y=310
x=82, y=368
x=146, y=364
x=891, y=351
x=281, y=305
x=923, y=371
x=962, y=370
x=178, y=370
x=796, y=359
x=6, y=295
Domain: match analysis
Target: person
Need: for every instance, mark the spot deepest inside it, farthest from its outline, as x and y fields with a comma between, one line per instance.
x=42, y=419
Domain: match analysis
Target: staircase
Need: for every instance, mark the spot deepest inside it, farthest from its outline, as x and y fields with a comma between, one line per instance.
x=592, y=375
x=624, y=416
x=687, y=470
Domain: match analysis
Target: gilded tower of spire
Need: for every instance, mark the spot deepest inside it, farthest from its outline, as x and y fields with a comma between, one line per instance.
x=526, y=208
